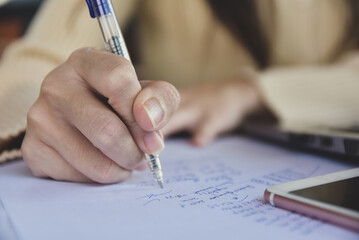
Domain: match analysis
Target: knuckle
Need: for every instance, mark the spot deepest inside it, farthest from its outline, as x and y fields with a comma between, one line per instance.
x=78, y=54
x=105, y=171
x=131, y=161
x=35, y=116
x=49, y=88
x=109, y=137
x=120, y=77
x=28, y=154
x=106, y=132
x=58, y=89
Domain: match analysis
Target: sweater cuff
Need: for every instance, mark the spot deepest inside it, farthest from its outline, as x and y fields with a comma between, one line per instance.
x=10, y=148
x=308, y=96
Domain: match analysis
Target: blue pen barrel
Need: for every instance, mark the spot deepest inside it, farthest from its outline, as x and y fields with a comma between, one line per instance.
x=103, y=11
x=113, y=39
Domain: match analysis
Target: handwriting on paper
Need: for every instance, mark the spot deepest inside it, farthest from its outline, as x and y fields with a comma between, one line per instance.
x=219, y=187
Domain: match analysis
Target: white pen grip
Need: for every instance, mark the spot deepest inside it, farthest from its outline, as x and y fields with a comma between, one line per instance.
x=113, y=36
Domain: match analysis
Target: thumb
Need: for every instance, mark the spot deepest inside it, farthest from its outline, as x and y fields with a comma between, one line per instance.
x=155, y=104
x=152, y=109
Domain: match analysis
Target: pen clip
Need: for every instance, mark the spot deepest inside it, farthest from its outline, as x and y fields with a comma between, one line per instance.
x=99, y=7
x=91, y=9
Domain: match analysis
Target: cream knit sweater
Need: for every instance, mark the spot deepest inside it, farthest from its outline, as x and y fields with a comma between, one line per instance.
x=183, y=43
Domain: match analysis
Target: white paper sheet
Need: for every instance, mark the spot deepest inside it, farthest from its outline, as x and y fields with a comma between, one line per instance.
x=211, y=193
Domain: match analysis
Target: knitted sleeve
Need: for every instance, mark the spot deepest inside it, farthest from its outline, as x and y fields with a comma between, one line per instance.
x=59, y=28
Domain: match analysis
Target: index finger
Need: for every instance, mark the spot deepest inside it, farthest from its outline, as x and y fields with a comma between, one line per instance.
x=115, y=78
x=110, y=75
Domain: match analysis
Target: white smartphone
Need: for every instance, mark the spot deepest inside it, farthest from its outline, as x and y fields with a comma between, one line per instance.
x=333, y=198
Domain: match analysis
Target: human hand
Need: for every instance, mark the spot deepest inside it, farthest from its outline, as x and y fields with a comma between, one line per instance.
x=72, y=133
x=209, y=110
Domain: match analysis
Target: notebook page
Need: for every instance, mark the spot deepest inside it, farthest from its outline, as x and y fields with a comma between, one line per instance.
x=210, y=193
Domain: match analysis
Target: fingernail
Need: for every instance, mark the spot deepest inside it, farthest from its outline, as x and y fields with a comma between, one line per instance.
x=154, y=111
x=200, y=141
x=154, y=142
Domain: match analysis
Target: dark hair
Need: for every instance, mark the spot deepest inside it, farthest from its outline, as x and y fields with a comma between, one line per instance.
x=352, y=37
x=241, y=18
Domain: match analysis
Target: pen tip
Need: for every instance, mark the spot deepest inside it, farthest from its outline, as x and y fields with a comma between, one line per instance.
x=161, y=184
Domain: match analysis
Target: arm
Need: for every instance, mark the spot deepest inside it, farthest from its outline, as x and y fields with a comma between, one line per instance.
x=310, y=96
x=59, y=28
x=298, y=96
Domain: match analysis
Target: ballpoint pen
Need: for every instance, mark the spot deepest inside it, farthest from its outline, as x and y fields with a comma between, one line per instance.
x=114, y=42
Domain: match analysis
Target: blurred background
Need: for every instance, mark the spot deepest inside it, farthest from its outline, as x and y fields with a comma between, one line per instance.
x=15, y=17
